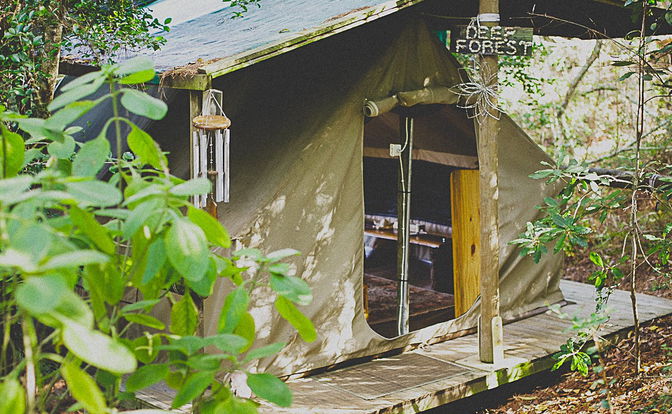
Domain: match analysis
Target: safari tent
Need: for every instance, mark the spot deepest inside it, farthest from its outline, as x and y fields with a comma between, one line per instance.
x=309, y=170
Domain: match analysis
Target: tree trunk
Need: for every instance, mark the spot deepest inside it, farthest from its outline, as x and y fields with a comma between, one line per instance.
x=49, y=58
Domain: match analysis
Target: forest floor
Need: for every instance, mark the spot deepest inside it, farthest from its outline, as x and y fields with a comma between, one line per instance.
x=571, y=393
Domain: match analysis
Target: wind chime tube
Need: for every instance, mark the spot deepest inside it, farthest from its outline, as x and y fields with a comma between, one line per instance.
x=227, y=146
x=203, y=161
x=195, y=164
x=219, y=166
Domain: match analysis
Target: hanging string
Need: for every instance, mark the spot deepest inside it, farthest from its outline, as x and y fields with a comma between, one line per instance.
x=211, y=98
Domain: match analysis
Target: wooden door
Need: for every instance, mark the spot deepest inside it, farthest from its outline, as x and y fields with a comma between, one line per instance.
x=464, y=196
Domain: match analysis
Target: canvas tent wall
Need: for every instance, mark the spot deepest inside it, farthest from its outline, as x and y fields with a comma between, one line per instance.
x=297, y=155
x=295, y=97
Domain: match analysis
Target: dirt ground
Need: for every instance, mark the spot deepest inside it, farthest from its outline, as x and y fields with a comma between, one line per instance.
x=571, y=393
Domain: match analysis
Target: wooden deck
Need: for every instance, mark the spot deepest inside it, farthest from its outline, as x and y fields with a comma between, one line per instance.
x=438, y=374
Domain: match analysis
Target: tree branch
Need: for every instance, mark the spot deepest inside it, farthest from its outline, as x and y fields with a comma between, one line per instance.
x=579, y=77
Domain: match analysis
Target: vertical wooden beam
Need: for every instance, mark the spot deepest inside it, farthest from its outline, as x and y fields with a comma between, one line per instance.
x=490, y=322
x=464, y=206
x=195, y=105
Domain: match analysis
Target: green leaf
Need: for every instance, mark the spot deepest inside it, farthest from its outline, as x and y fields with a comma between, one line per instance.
x=302, y=324
x=291, y=287
x=138, y=77
x=63, y=150
x=540, y=174
x=94, y=193
x=138, y=217
x=145, y=376
x=75, y=259
x=207, y=362
x=213, y=229
x=156, y=258
x=281, y=254
x=192, y=187
x=134, y=65
x=75, y=94
x=188, y=249
x=97, y=76
x=52, y=301
x=68, y=114
x=626, y=76
x=232, y=344
x=38, y=129
x=143, y=304
x=113, y=283
x=235, y=405
x=84, y=388
x=247, y=329
x=98, y=349
x=13, y=399
x=184, y=316
x=192, y=388
x=188, y=345
x=146, y=320
x=11, y=188
x=596, y=259
x=33, y=239
x=40, y=295
x=11, y=161
x=270, y=388
x=235, y=305
x=264, y=351
x=146, y=348
x=252, y=253
x=30, y=155
x=145, y=148
x=142, y=104
x=91, y=157
x=205, y=285
x=92, y=229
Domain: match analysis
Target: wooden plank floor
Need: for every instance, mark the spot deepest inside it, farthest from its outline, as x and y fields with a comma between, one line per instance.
x=529, y=344
x=441, y=373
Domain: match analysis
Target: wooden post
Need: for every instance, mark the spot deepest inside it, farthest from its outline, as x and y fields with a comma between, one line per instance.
x=490, y=323
x=195, y=105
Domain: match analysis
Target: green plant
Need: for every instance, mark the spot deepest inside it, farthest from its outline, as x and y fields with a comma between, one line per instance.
x=33, y=33
x=74, y=249
x=579, y=352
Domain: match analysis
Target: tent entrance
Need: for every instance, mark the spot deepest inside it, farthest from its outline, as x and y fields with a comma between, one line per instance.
x=430, y=225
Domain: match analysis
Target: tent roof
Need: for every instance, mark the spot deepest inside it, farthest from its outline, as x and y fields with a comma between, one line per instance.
x=206, y=41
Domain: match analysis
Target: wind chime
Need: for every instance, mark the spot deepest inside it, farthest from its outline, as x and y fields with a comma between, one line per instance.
x=210, y=152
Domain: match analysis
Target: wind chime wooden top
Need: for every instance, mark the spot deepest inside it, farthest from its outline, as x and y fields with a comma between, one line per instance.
x=211, y=122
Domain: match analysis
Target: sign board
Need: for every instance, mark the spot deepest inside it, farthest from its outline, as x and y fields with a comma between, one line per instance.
x=492, y=40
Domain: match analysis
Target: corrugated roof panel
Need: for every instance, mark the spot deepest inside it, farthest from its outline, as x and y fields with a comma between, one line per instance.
x=214, y=33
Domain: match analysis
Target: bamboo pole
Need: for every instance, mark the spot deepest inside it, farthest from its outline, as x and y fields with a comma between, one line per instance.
x=490, y=322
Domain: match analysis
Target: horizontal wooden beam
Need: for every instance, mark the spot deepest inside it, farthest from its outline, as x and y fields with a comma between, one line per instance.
x=193, y=82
